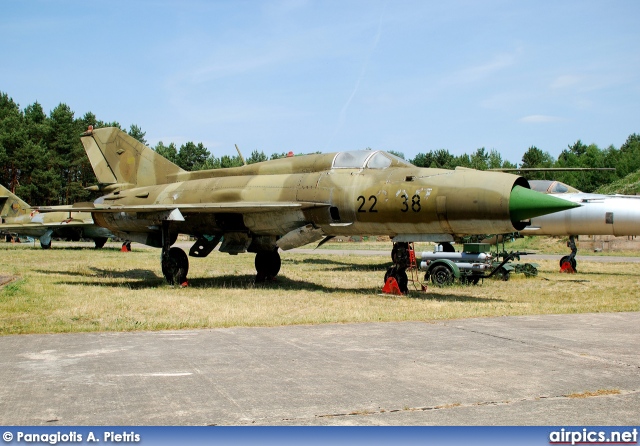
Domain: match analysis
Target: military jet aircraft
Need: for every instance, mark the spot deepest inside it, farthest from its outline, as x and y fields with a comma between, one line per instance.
x=289, y=202
x=599, y=215
x=17, y=217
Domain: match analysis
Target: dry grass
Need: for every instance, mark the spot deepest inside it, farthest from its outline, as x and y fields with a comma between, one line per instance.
x=601, y=392
x=80, y=289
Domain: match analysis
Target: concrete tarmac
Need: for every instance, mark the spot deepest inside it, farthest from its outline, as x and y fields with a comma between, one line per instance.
x=549, y=370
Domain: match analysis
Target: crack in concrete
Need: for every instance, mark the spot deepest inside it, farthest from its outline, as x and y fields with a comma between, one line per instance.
x=552, y=348
x=366, y=412
x=450, y=406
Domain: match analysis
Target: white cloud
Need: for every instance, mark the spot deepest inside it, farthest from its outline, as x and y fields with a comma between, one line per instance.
x=565, y=81
x=482, y=71
x=539, y=119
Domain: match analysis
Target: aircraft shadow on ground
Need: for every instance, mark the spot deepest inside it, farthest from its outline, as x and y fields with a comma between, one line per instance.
x=239, y=282
x=598, y=273
x=141, y=278
x=343, y=266
x=148, y=279
x=79, y=248
x=98, y=272
x=450, y=297
x=246, y=282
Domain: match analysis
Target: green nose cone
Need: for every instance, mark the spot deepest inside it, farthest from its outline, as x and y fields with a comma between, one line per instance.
x=526, y=203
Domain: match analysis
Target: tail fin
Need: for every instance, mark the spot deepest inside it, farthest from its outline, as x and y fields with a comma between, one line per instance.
x=11, y=205
x=121, y=161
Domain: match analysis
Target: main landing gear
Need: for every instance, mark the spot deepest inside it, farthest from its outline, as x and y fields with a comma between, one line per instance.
x=175, y=266
x=174, y=261
x=267, y=265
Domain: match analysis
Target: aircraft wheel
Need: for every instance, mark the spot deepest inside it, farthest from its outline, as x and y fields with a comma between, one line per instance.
x=572, y=262
x=175, y=266
x=441, y=275
x=401, y=278
x=267, y=265
x=100, y=241
x=400, y=253
x=403, y=281
x=447, y=247
x=46, y=245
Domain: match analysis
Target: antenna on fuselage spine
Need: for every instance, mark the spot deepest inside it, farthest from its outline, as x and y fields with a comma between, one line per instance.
x=244, y=163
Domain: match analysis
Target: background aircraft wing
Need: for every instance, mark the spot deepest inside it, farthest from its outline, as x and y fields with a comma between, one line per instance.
x=16, y=227
x=240, y=207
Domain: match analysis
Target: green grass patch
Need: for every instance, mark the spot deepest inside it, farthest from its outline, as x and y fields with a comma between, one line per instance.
x=80, y=289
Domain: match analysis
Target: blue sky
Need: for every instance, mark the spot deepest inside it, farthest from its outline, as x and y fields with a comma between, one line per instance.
x=410, y=76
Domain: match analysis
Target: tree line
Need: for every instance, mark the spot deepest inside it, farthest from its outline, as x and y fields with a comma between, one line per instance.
x=624, y=160
x=43, y=162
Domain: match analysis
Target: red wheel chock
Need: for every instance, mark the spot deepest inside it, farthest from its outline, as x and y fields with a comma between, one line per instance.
x=567, y=268
x=391, y=287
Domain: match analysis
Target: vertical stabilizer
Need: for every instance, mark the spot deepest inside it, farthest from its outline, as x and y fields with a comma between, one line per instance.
x=119, y=159
x=11, y=205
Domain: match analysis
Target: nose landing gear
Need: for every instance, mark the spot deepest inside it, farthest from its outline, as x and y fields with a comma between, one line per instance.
x=401, y=257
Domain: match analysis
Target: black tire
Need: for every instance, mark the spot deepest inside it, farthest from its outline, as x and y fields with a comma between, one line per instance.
x=403, y=281
x=441, y=275
x=46, y=246
x=175, y=266
x=400, y=254
x=571, y=261
x=267, y=265
x=447, y=247
x=100, y=241
x=401, y=278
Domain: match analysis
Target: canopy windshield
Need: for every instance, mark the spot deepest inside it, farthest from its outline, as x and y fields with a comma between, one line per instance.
x=552, y=187
x=361, y=159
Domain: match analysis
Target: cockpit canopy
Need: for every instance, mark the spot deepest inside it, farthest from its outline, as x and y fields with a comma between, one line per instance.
x=552, y=187
x=361, y=159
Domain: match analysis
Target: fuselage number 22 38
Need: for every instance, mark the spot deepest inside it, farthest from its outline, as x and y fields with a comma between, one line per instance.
x=407, y=204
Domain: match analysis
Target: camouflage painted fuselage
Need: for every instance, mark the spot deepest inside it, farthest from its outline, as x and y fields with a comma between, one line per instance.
x=291, y=201
x=17, y=217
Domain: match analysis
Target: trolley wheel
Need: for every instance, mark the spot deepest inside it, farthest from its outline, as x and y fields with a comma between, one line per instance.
x=441, y=275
